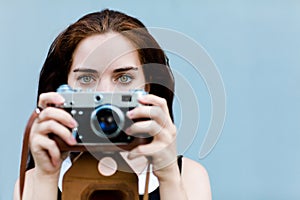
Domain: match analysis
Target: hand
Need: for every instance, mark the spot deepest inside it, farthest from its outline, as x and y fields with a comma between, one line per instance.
x=162, y=149
x=46, y=153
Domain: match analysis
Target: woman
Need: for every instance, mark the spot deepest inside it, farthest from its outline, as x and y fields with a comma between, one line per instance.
x=109, y=51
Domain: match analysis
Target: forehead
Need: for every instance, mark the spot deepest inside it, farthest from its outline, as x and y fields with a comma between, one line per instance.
x=104, y=50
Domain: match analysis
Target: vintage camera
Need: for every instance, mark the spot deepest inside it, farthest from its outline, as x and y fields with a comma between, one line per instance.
x=102, y=117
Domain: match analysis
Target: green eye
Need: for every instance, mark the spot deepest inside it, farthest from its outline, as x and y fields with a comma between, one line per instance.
x=86, y=79
x=125, y=79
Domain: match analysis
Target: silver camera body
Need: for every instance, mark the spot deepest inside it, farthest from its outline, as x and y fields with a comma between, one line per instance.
x=101, y=116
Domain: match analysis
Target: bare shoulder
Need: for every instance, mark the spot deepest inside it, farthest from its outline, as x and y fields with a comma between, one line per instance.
x=195, y=179
x=191, y=167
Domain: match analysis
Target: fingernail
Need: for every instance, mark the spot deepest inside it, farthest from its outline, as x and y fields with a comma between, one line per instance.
x=129, y=113
x=127, y=131
x=73, y=123
x=142, y=97
x=55, y=162
x=130, y=156
x=72, y=140
x=60, y=99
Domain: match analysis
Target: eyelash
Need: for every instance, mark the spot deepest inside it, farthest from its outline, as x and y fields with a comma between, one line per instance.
x=93, y=79
x=118, y=77
x=81, y=77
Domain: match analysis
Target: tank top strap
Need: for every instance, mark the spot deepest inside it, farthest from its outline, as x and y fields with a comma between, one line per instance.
x=179, y=162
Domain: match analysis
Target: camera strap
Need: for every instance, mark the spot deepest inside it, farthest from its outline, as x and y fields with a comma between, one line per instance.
x=146, y=195
x=25, y=150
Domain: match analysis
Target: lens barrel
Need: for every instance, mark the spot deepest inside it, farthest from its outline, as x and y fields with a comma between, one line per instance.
x=107, y=121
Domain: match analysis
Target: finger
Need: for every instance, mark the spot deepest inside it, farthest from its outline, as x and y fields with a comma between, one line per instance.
x=52, y=126
x=148, y=150
x=154, y=100
x=160, y=154
x=54, y=153
x=50, y=98
x=150, y=127
x=46, y=151
x=150, y=112
x=58, y=115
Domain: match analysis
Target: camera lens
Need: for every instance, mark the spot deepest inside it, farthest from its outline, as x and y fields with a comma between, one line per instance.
x=108, y=121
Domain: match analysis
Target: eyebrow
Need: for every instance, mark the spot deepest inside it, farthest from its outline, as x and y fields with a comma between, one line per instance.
x=118, y=70
x=124, y=69
x=85, y=70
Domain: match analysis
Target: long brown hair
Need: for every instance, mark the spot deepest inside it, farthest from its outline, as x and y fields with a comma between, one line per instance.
x=155, y=63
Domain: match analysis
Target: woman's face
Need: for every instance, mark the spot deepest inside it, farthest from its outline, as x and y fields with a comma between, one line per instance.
x=106, y=62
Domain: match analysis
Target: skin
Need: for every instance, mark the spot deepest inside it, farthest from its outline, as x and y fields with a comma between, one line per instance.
x=118, y=69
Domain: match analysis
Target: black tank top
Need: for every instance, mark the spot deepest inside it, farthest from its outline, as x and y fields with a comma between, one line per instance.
x=153, y=195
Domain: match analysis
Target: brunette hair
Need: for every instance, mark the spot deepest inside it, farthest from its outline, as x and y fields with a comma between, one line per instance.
x=155, y=63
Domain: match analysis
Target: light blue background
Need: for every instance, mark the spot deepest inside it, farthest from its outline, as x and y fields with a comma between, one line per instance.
x=255, y=45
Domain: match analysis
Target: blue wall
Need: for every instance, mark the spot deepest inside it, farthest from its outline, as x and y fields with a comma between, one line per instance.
x=256, y=47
